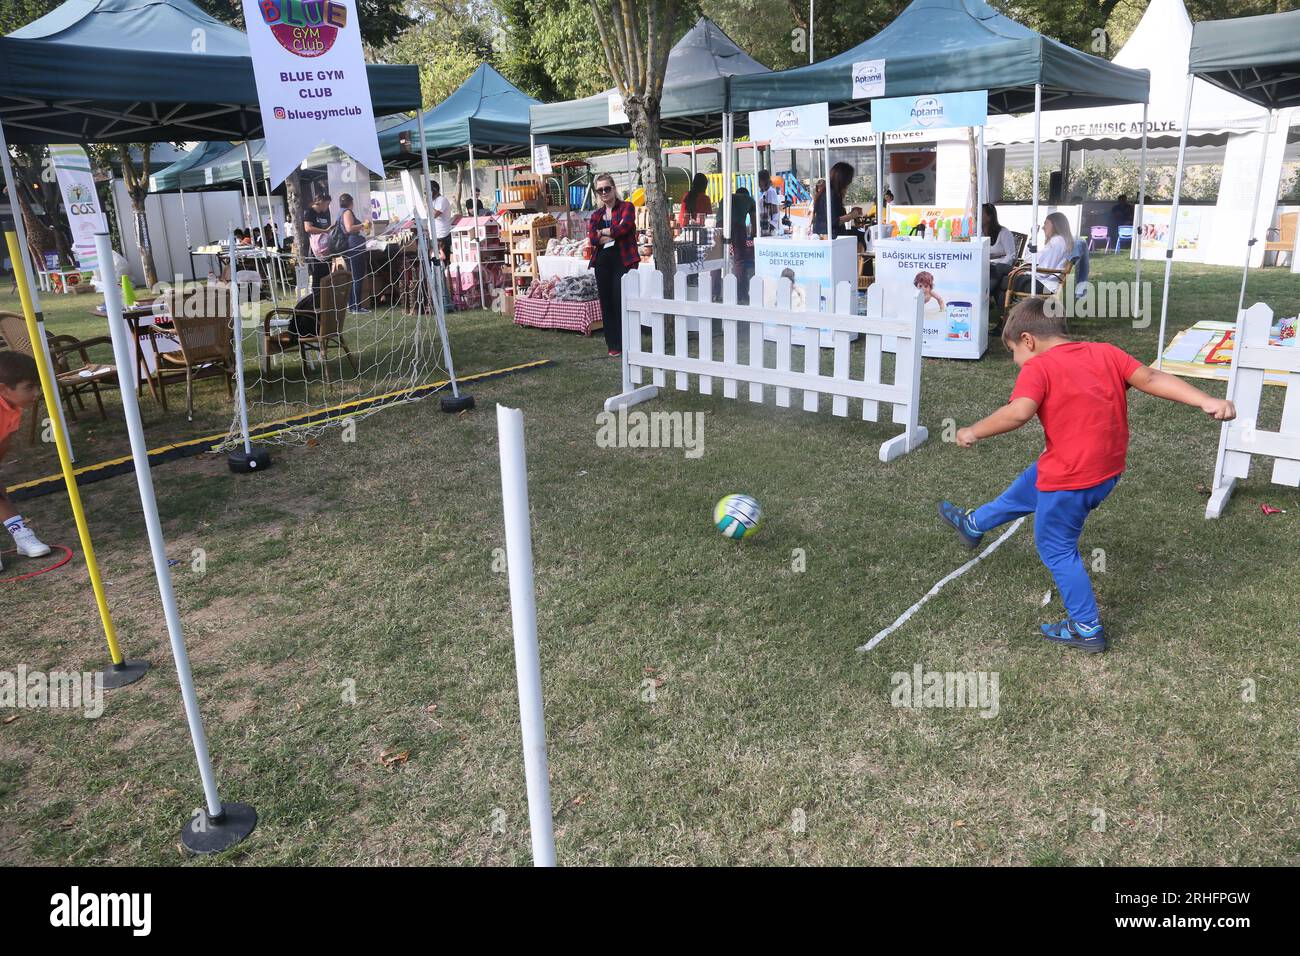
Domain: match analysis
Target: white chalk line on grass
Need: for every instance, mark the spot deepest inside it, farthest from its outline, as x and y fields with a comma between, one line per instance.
x=902, y=618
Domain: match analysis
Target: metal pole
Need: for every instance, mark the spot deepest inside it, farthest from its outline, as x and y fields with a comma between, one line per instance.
x=523, y=614
x=1173, y=222
x=1254, y=210
x=981, y=184
x=241, y=402
x=881, y=212
x=11, y=184
x=478, y=244
x=123, y=350
x=810, y=30
x=430, y=228
x=1135, y=248
x=1033, y=229
x=826, y=159
x=189, y=246
x=436, y=295
x=270, y=279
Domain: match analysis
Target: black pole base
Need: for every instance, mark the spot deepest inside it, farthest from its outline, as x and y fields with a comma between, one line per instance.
x=242, y=463
x=458, y=403
x=204, y=834
x=127, y=672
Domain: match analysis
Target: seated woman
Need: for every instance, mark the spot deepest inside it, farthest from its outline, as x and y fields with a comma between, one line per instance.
x=840, y=179
x=1002, y=246
x=1056, y=251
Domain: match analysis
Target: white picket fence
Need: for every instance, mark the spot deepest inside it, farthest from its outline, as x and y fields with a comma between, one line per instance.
x=727, y=325
x=1241, y=439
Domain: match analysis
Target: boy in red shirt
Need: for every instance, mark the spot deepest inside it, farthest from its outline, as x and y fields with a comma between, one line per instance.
x=1077, y=390
x=19, y=389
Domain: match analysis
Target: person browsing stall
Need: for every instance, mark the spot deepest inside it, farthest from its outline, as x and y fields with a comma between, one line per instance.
x=316, y=221
x=840, y=179
x=442, y=213
x=696, y=203
x=355, y=228
x=770, y=204
x=612, y=234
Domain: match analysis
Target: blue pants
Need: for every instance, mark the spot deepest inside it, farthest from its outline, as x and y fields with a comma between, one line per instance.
x=1058, y=522
x=357, y=262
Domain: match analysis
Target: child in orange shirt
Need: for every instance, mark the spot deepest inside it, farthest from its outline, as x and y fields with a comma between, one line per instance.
x=20, y=387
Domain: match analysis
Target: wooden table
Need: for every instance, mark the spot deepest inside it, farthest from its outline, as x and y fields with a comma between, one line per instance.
x=134, y=316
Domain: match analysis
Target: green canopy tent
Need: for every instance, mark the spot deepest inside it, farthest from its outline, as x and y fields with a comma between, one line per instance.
x=694, y=94
x=487, y=115
x=1257, y=58
x=693, y=105
x=951, y=46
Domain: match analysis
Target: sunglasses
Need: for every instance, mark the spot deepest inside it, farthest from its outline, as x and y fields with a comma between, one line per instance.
x=604, y=189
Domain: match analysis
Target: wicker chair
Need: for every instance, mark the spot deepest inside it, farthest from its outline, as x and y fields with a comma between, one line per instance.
x=331, y=311
x=74, y=381
x=1023, y=269
x=1281, y=241
x=201, y=321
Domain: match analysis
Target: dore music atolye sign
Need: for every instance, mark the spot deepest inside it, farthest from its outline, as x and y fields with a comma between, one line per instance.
x=311, y=81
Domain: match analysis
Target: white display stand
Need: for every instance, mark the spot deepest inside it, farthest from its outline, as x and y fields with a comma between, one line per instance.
x=826, y=262
x=959, y=273
x=818, y=262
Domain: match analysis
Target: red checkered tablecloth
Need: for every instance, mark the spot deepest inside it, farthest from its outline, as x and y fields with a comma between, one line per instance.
x=581, y=317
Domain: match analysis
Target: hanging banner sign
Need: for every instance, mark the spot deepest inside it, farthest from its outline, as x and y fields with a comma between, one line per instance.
x=77, y=184
x=617, y=114
x=932, y=111
x=311, y=81
x=542, y=159
x=859, y=135
x=868, y=79
x=793, y=127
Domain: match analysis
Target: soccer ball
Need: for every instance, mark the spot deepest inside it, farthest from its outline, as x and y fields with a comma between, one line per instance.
x=737, y=516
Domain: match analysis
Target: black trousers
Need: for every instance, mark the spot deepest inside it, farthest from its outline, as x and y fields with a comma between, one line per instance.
x=609, y=285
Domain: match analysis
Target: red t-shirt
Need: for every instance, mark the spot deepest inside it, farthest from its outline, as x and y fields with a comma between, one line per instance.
x=1080, y=390
x=10, y=420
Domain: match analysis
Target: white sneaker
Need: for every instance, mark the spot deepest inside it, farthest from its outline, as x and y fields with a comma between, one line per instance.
x=30, y=546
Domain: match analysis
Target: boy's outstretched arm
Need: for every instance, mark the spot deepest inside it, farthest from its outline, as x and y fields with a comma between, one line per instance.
x=1006, y=419
x=1164, y=385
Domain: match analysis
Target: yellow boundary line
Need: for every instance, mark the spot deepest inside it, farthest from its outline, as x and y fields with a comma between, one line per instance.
x=261, y=432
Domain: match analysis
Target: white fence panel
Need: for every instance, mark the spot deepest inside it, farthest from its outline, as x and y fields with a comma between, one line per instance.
x=1241, y=439
x=838, y=331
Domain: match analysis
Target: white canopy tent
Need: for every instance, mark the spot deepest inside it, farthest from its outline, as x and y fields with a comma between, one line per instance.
x=1160, y=43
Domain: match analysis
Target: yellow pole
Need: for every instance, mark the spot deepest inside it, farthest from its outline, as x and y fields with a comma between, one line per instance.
x=50, y=388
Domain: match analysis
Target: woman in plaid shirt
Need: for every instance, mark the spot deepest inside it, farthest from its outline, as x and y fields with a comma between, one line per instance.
x=612, y=234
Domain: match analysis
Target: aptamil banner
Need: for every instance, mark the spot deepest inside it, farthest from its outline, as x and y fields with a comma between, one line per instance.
x=77, y=184
x=932, y=111
x=794, y=127
x=311, y=81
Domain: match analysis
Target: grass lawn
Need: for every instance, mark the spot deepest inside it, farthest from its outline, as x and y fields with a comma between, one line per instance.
x=370, y=565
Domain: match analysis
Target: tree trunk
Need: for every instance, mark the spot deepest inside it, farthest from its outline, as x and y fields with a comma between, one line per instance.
x=137, y=188
x=294, y=208
x=645, y=131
